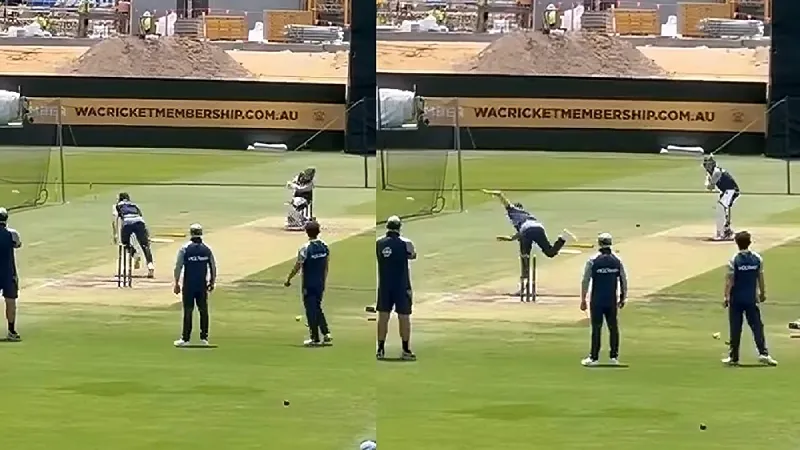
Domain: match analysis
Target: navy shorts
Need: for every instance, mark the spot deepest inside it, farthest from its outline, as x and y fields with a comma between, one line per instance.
x=134, y=228
x=399, y=301
x=10, y=288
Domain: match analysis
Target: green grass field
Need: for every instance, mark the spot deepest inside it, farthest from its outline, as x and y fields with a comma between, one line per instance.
x=493, y=373
x=97, y=365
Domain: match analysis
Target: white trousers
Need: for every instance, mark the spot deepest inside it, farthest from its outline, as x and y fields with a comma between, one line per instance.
x=724, y=206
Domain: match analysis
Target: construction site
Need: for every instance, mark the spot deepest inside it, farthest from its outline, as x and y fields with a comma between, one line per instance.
x=597, y=38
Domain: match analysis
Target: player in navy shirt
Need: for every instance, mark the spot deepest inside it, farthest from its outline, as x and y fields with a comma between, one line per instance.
x=744, y=290
x=312, y=260
x=721, y=180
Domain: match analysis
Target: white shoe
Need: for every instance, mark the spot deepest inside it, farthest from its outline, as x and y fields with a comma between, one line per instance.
x=767, y=360
x=588, y=362
x=729, y=361
x=568, y=236
x=181, y=343
x=614, y=361
x=311, y=343
x=327, y=339
x=151, y=269
x=203, y=341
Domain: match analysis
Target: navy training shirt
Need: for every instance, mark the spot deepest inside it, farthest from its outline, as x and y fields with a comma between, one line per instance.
x=518, y=216
x=723, y=180
x=196, y=260
x=393, y=252
x=604, y=271
x=314, y=256
x=9, y=242
x=745, y=266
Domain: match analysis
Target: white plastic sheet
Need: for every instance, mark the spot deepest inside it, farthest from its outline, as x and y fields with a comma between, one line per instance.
x=396, y=107
x=9, y=107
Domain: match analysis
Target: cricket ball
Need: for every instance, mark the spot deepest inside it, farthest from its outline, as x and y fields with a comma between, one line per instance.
x=297, y=318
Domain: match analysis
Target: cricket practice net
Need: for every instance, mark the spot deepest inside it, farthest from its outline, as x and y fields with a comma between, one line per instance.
x=25, y=168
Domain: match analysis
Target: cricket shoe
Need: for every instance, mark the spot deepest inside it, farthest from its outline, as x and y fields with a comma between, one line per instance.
x=408, y=356
x=380, y=355
x=730, y=361
x=151, y=270
x=327, y=339
x=13, y=336
x=614, y=361
x=767, y=360
x=204, y=342
x=311, y=343
x=589, y=362
x=180, y=343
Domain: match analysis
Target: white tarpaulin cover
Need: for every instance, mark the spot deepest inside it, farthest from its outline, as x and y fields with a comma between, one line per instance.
x=9, y=107
x=396, y=107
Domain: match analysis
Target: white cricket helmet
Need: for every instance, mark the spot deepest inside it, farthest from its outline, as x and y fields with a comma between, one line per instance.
x=551, y=7
x=368, y=445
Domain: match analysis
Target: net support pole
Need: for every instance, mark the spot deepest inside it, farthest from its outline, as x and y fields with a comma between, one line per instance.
x=457, y=142
x=60, y=141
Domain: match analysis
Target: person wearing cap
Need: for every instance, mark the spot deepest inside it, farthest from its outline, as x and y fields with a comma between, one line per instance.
x=127, y=221
x=744, y=290
x=196, y=261
x=312, y=261
x=9, y=281
x=394, y=252
x=602, y=273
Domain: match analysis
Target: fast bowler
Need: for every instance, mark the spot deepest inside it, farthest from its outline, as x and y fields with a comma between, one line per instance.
x=528, y=229
x=127, y=221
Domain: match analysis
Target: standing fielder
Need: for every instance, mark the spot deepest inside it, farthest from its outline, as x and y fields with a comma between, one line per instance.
x=313, y=260
x=196, y=261
x=393, y=253
x=723, y=181
x=127, y=220
x=602, y=273
x=301, y=204
x=9, y=281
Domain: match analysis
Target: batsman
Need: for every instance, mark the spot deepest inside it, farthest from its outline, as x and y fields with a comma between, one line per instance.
x=528, y=231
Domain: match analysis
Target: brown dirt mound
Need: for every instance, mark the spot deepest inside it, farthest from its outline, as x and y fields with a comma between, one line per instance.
x=164, y=57
x=533, y=53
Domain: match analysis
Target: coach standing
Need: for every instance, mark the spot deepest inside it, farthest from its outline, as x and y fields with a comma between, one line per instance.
x=312, y=260
x=744, y=290
x=9, y=281
x=196, y=261
x=394, y=286
x=603, y=272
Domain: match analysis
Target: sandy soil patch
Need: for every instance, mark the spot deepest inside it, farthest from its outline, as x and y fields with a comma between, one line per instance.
x=240, y=251
x=741, y=64
x=652, y=262
x=689, y=63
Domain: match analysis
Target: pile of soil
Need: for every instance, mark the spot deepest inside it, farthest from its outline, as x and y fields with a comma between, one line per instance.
x=169, y=57
x=533, y=53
